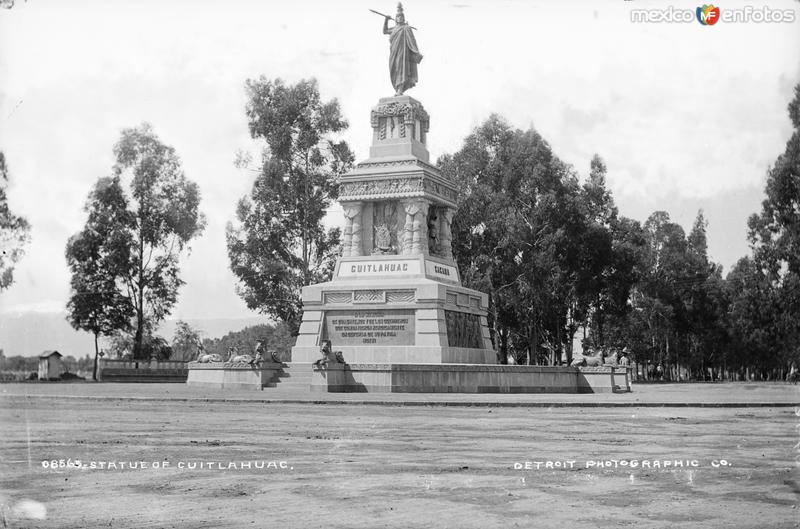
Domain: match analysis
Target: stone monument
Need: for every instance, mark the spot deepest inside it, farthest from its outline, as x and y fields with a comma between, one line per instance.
x=395, y=316
x=396, y=296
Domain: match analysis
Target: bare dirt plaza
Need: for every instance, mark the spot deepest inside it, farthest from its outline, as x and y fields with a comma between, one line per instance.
x=359, y=463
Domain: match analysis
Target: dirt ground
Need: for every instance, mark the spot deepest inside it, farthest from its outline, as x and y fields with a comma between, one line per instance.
x=392, y=466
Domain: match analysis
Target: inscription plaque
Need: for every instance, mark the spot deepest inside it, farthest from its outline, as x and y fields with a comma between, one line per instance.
x=384, y=267
x=370, y=327
x=441, y=272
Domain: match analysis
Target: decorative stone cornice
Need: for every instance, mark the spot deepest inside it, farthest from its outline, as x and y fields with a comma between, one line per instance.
x=384, y=188
x=410, y=112
x=397, y=187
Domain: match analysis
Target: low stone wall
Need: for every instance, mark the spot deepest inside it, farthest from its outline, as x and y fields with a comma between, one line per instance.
x=221, y=376
x=142, y=371
x=466, y=378
x=400, y=354
x=603, y=379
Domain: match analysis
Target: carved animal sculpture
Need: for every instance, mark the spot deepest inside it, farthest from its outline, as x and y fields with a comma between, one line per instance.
x=242, y=359
x=589, y=360
x=328, y=356
x=275, y=356
x=205, y=359
x=612, y=360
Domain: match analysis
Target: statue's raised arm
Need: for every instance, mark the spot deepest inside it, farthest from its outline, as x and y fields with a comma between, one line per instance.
x=403, y=53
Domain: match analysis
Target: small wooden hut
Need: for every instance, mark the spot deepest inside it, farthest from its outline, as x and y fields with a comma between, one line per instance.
x=50, y=365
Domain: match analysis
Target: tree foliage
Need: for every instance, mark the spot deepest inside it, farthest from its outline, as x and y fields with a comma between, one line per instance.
x=96, y=256
x=137, y=237
x=774, y=235
x=536, y=240
x=184, y=342
x=678, y=302
x=278, y=243
x=274, y=337
x=555, y=256
x=14, y=231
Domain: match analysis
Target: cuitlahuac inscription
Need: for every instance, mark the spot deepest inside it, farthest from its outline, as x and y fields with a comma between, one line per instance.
x=384, y=327
x=379, y=268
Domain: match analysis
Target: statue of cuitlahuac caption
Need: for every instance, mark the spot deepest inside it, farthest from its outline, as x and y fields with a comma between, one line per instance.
x=404, y=54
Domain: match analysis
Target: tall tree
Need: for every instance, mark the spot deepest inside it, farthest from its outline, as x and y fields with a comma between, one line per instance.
x=516, y=234
x=775, y=232
x=775, y=237
x=153, y=225
x=184, y=343
x=278, y=243
x=14, y=231
x=97, y=257
x=591, y=296
x=755, y=317
x=165, y=208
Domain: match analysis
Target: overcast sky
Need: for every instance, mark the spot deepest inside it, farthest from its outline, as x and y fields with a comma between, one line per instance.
x=686, y=116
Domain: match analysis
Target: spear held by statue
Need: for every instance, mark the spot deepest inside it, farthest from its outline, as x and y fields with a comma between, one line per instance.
x=387, y=16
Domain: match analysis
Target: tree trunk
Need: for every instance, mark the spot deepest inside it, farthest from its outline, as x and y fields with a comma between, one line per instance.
x=570, y=341
x=96, y=358
x=137, y=339
x=600, y=338
x=503, y=336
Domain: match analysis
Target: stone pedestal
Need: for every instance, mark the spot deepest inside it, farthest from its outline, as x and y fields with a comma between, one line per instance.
x=396, y=296
x=461, y=378
x=222, y=376
x=395, y=309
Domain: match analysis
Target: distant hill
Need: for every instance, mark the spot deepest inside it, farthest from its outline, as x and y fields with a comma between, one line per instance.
x=30, y=333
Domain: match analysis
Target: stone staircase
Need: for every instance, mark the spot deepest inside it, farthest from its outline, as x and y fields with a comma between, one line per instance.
x=293, y=377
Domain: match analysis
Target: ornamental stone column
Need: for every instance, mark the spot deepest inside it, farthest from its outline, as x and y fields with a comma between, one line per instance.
x=352, y=229
x=421, y=244
x=415, y=240
x=445, y=232
x=411, y=207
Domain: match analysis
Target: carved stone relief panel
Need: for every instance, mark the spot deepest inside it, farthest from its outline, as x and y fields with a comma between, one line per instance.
x=463, y=329
x=385, y=231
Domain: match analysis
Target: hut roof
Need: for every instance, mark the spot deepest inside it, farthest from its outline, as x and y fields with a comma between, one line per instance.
x=48, y=354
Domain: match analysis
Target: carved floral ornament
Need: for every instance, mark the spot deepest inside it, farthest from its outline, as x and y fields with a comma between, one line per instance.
x=396, y=187
x=382, y=188
x=410, y=112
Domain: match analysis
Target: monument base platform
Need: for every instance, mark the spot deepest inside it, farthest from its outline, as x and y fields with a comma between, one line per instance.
x=408, y=319
x=467, y=378
x=221, y=376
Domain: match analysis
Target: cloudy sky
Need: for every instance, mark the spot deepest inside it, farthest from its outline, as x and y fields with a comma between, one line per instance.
x=686, y=116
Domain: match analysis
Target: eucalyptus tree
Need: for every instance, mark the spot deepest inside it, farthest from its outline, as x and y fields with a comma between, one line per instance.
x=147, y=229
x=14, y=231
x=278, y=243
